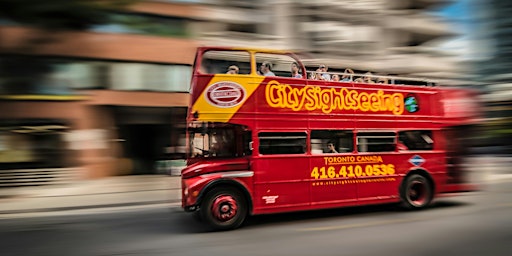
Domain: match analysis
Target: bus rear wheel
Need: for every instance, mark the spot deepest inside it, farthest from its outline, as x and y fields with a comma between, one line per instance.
x=223, y=208
x=416, y=192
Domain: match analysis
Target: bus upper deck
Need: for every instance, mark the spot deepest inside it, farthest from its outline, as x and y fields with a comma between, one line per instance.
x=220, y=95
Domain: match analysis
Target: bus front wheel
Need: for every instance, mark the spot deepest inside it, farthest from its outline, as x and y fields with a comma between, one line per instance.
x=223, y=208
x=416, y=192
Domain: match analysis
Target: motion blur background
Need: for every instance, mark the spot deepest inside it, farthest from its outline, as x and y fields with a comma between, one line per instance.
x=92, y=89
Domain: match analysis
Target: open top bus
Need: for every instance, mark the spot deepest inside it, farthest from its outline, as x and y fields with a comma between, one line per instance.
x=268, y=144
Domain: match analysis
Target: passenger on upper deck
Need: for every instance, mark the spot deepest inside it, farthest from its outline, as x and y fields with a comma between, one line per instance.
x=382, y=80
x=233, y=69
x=336, y=78
x=348, y=75
x=266, y=69
x=317, y=75
x=322, y=69
x=368, y=78
x=295, y=70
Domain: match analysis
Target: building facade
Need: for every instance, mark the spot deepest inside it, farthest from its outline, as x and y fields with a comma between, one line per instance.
x=113, y=101
x=382, y=36
x=492, y=72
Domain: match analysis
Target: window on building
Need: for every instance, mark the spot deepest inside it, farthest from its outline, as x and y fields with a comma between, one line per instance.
x=416, y=140
x=149, y=77
x=273, y=143
x=376, y=141
x=84, y=74
x=244, y=28
x=138, y=23
x=342, y=141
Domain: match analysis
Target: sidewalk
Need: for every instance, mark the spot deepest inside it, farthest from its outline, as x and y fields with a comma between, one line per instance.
x=122, y=191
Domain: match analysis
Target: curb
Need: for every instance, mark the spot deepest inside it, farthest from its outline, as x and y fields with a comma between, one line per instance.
x=88, y=207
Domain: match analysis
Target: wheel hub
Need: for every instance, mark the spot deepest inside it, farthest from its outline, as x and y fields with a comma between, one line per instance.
x=224, y=208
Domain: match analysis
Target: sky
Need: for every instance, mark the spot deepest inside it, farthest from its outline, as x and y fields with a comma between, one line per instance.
x=462, y=15
x=458, y=14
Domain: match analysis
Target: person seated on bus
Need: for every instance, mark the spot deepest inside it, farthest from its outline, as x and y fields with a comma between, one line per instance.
x=322, y=70
x=348, y=75
x=233, y=69
x=367, y=78
x=382, y=80
x=295, y=70
x=336, y=78
x=359, y=80
x=266, y=69
x=331, y=148
x=316, y=75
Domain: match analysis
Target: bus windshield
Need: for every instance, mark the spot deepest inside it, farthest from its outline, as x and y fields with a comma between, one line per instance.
x=212, y=140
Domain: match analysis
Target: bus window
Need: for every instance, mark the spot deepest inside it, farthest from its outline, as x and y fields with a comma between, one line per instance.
x=219, y=140
x=280, y=64
x=376, y=141
x=416, y=140
x=218, y=62
x=342, y=141
x=273, y=143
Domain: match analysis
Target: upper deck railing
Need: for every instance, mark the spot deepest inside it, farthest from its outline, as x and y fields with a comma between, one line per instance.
x=371, y=78
x=217, y=60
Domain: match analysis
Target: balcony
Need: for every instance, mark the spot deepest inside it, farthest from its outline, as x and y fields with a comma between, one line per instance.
x=232, y=38
x=420, y=23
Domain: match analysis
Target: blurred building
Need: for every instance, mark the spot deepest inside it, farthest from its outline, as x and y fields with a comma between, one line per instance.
x=382, y=36
x=113, y=102
x=115, y=99
x=493, y=73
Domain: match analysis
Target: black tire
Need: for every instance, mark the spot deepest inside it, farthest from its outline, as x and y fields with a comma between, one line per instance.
x=197, y=216
x=416, y=192
x=223, y=208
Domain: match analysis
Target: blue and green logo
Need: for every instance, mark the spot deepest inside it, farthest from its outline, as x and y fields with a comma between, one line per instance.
x=411, y=104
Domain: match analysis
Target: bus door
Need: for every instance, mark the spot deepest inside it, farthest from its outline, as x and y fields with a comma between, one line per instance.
x=331, y=177
x=281, y=169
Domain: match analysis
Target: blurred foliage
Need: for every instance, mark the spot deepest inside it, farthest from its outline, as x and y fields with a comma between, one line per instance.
x=59, y=14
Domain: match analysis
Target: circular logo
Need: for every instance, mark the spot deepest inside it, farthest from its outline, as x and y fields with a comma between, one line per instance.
x=411, y=104
x=225, y=94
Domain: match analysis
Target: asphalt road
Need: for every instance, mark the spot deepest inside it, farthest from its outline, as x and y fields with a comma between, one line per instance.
x=473, y=224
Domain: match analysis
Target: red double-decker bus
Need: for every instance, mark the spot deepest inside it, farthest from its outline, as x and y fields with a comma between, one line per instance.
x=263, y=141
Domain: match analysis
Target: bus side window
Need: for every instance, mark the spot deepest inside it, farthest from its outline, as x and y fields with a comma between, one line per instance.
x=417, y=140
x=219, y=61
x=281, y=64
x=376, y=141
x=274, y=143
x=340, y=139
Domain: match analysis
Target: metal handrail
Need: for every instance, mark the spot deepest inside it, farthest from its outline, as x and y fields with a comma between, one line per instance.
x=391, y=79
